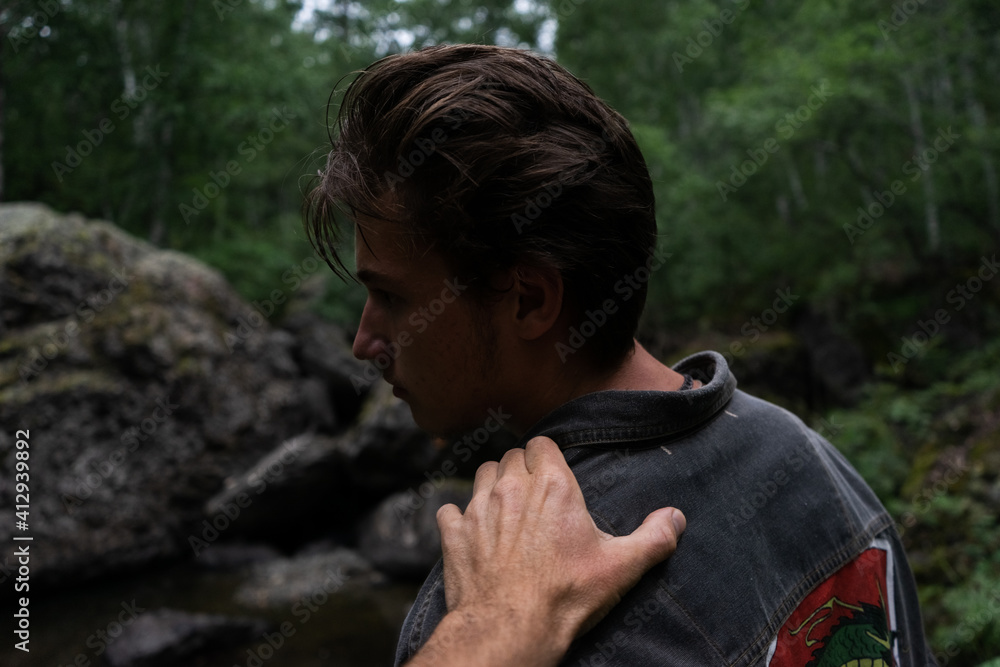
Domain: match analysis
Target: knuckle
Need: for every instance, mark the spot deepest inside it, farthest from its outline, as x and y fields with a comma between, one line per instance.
x=487, y=469
x=507, y=486
x=442, y=514
x=507, y=490
x=512, y=455
x=666, y=544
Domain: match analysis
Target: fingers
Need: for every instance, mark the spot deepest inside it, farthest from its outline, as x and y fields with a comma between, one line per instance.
x=486, y=477
x=679, y=521
x=542, y=453
x=539, y=453
x=447, y=515
x=654, y=540
x=511, y=463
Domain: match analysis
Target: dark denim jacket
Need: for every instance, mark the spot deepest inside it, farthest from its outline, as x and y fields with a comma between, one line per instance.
x=777, y=519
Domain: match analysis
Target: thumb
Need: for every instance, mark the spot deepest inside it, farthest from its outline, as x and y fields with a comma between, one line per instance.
x=652, y=542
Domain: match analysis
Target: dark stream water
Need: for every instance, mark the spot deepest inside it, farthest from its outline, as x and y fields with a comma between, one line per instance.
x=352, y=629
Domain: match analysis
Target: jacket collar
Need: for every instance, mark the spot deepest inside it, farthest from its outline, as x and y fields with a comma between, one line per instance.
x=615, y=418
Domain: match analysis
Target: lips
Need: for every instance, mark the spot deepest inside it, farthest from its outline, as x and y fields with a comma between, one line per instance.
x=397, y=390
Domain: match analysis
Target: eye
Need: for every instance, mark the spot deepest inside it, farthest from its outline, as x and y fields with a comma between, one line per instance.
x=386, y=298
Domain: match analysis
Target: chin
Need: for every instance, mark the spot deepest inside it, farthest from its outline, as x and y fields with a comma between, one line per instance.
x=442, y=425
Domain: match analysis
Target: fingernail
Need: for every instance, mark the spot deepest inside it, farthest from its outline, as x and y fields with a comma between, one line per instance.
x=679, y=521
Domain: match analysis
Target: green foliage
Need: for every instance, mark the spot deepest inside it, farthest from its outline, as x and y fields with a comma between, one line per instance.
x=712, y=93
x=212, y=155
x=932, y=456
x=255, y=260
x=870, y=444
x=133, y=112
x=280, y=265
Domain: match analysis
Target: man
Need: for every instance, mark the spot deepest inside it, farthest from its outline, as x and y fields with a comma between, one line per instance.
x=506, y=235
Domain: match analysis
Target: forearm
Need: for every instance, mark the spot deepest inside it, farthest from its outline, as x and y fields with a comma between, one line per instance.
x=465, y=638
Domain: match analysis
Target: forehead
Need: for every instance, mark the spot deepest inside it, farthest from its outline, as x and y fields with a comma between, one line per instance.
x=384, y=250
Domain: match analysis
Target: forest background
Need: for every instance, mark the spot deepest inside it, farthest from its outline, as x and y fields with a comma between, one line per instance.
x=843, y=154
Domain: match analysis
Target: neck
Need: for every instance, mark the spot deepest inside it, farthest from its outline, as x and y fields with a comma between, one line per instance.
x=640, y=371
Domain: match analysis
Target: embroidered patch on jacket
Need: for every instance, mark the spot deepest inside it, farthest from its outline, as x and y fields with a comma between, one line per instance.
x=847, y=621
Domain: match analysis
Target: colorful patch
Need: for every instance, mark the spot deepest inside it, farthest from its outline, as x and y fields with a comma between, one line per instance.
x=847, y=621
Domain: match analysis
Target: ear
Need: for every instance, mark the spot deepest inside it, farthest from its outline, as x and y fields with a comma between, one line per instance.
x=539, y=300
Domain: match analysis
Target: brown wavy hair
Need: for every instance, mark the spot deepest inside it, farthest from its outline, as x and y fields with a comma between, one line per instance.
x=495, y=157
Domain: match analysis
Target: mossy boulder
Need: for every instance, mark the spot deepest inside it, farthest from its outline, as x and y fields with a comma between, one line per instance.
x=142, y=380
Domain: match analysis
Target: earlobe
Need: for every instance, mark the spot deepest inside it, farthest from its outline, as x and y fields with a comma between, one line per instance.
x=539, y=293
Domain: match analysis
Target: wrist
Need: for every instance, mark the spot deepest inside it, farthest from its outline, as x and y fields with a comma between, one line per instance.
x=514, y=635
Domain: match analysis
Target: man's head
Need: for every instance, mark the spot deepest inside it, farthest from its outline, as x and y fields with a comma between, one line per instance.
x=498, y=161
x=496, y=158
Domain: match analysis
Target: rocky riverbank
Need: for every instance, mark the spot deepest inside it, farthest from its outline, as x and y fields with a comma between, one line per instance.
x=170, y=420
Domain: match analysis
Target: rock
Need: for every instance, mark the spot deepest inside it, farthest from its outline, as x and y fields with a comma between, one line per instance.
x=387, y=448
x=323, y=352
x=165, y=637
x=345, y=475
x=401, y=537
x=309, y=577
x=233, y=556
x=388, y=451
x=156, y=399
x=142, y=379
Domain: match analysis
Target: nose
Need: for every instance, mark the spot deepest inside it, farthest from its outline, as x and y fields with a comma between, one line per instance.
x=370, y=340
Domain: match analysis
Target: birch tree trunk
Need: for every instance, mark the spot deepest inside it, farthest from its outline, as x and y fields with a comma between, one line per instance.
x=927, y=181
